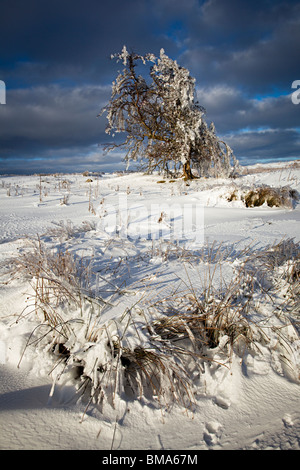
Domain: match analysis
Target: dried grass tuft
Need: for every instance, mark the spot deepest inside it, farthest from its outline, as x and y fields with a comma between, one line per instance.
x=272, y=197
x=154, y=352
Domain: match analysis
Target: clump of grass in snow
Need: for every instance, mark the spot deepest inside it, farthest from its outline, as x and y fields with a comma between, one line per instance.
x=272, y=197
x=259, y=307
x=60, y=290
x=208, y=323
x=156, y=352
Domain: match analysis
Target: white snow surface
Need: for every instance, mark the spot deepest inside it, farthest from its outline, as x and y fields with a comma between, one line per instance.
x=252, y=403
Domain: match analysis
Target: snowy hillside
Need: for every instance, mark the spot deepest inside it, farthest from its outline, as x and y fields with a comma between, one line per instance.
x=139, y=312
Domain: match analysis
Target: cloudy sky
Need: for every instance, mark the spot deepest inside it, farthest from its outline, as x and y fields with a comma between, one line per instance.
x=55, y=63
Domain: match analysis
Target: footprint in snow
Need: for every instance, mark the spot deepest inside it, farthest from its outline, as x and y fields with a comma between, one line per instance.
x=212, y=433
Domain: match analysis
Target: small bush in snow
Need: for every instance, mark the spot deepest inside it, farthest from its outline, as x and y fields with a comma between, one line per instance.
x=272, y=197
x=266, y=195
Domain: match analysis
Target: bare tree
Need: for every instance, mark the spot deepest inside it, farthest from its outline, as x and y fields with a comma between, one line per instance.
x=164, y=124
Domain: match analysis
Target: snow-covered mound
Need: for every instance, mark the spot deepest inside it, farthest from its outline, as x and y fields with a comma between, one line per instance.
x=133, y=306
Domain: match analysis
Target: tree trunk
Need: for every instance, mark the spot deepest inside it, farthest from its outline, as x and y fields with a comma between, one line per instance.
x=187, y=171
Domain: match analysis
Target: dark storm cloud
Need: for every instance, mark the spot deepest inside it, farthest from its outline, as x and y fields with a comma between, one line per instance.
x=254, y=45
x=52, y=116
x=55, y=61
x=232, y=110
x=73, y=40
x=265, y=145
x=70, y=160
x=257, y=129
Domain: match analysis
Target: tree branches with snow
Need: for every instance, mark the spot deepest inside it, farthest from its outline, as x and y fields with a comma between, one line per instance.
x=164, y=124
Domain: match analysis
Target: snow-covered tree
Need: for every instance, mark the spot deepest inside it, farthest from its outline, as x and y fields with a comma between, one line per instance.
x=164, y=124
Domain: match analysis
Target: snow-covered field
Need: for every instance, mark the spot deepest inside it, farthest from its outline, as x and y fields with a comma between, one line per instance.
x=107, y=285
